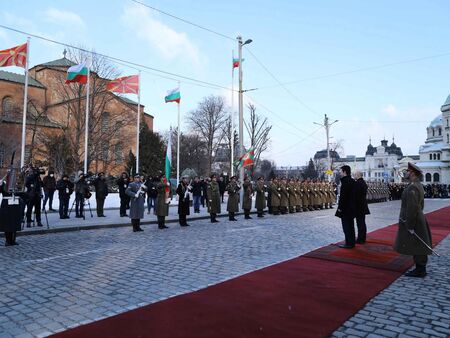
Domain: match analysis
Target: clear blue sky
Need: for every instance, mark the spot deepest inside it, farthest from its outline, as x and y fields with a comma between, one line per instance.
x=296, y=40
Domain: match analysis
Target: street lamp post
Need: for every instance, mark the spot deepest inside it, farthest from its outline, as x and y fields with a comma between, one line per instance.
x=241, y=106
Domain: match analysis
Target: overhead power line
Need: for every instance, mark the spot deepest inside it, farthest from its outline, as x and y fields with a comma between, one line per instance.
x=115, y=59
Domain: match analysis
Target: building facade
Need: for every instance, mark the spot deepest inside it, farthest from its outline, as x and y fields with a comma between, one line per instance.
x=56, y=109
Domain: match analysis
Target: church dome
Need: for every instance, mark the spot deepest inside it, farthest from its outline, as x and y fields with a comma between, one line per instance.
x=370, y=149
x=437, y=122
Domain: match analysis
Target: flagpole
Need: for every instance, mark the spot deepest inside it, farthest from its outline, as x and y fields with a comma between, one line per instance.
x=232, y=114
x=138, y=122
x=86, y=132
x=178, y=141
x=25, y=105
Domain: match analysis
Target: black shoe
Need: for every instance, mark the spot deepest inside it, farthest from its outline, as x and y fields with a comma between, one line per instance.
x=28, y=224
x=233, y=219
x=360, y=241
x=416, y=273
x=184, y=225
x=66, y=217
x=78, y=216
x=248, y=217
x=102, y=216
x=62, y=217
x=345, y=246
x=215, y=221
x=51, y=209
x=139, y=229
x=39, y=224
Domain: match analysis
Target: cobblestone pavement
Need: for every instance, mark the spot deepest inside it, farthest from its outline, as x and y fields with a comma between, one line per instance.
x=53, y=282
x=409, y=307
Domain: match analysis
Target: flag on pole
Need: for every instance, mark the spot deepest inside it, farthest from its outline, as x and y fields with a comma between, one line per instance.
x=173, y=95
x=236, y=62
x=124, y=85
x=247, y=159
x=15, y=56
x=77, y=73
x=169, y=155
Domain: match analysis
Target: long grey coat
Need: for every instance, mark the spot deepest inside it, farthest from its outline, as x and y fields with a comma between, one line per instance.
x=213, y=194
x=247, y=196
x=233, y=197
x=136, y=204
x=412, y=217
x=260, y=203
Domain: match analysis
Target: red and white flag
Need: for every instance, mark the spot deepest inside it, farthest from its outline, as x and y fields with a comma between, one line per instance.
x=124, y=85
x=15, y=56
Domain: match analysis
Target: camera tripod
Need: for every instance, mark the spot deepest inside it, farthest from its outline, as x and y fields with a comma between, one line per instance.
x=84, y=203
x=24, y=220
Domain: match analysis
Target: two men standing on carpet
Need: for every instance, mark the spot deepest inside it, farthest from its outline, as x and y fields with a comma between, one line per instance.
x=413, y=236
x=352, y=204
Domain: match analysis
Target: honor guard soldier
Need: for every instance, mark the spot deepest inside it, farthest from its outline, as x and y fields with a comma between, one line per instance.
x=275, y=193
x=414, y=236
x=284, y=199
x=213, y=197
x=183, y=190
x=292, y=202
x=233, y=198
x=162, y=201
x=260, y=203
x=247, y=197
x=305, y=198
x=136, y=190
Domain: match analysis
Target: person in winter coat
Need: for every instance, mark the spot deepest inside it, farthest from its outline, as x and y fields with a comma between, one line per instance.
x=233, y=198
x=49, y=186
x=162, y=201
x=122, y=183
x=150, y=183
x=260, y=203
x=101, y=191
x=346, y=207
x=197, y=194
x=413, y=224
x=65, y=189
x=247, y=197
x=275, y=196
x=183, y=190
x=361, y=207
x=136, y=191
x=213, y=195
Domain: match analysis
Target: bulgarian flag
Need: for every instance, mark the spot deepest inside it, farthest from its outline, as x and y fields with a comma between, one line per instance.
x=169, y=155
x=77, y=73
x=15, y=56
x=173, y=95
x=247, y=159
x=236, y=62
x=126, y=84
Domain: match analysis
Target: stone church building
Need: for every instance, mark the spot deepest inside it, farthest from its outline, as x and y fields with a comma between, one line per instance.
x=56, y=120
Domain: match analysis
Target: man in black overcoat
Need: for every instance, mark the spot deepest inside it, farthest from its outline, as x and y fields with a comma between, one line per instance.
x=361, y=207
x=346, y=207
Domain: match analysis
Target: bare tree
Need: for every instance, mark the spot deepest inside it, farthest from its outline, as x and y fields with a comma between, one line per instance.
x=258, y=130
x=207, y=122
x=231, y=139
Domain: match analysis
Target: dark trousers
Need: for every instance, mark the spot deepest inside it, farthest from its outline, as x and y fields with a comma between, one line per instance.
x=100, y=205
x=35, y=203
x=182, y=219
x=161, y=221
x=203, y=200
x=124, y=200
x=348, y=226
x=362, y=228
x=230, y=215
x=213, y=217
x=260, y=212
x=151, y=203
x=79, y=204
x=48, y=196
x=63, y=207
x=420, y=261
x=221, y=196
x=197, y=203
x=10, y=237
x=136, y=223
x=247, y=213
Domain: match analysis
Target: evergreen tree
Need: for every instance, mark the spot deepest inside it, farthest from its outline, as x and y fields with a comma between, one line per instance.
x=152, y=152
x=310, y=171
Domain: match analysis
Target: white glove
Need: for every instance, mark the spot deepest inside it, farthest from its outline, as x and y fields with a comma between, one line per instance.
x=137, y=195
x=411, y=231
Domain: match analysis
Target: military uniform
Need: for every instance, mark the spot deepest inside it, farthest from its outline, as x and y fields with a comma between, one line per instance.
x=275, y=196
x=260, y=203
x=213, y=195
x=162, y=202
x=247, y=198
x=137, y=200
x=183, y=190
x=284, y=199
x=233, y=199
x=292, y=202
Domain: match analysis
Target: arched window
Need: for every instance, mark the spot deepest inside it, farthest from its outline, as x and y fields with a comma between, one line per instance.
x=433, y=131
x=118, y=153
x=105, y=122
x=431, y=156
x=438, y=156
x=428, y=177
x=435, y=177
x=434, y=156
x=7, y=106
x=440, y=131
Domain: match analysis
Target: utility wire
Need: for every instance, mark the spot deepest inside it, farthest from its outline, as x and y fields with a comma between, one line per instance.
x=115, y=59
x=184, y=20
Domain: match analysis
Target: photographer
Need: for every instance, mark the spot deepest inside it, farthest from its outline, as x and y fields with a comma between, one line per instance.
x=49, y=185
x=150, y=183
x=101, y=191
x=81, y=192
x=183, y=191
x=65, y=189
x=122, y=183
x=136, y=191
x=33, y=193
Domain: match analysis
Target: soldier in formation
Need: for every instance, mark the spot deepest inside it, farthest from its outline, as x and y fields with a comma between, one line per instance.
x=233, y=198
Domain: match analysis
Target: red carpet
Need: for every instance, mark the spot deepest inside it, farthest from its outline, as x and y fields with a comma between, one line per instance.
x=302, y=297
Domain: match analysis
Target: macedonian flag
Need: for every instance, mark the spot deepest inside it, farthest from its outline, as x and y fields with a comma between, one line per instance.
x=16, y=56
x=126, y=84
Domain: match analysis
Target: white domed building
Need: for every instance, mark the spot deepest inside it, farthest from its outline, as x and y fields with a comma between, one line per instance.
x=435, y=153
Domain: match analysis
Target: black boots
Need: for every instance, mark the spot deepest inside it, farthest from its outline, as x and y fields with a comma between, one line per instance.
x=420, y=271
x=247, y=214
x=213, y=218
x=161, y=222
x=231, y=216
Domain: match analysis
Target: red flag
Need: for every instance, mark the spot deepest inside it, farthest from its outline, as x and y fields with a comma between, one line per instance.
x=126, y=84
x=16, y=56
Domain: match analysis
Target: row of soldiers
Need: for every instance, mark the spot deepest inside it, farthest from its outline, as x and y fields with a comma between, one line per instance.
x=377, y=192
x=281, y=196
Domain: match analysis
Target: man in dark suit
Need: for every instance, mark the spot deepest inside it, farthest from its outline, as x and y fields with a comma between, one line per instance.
x=346, y=207
x=361, y=207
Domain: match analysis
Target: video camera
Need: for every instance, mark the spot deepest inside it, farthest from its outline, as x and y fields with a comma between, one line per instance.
x=34, y=171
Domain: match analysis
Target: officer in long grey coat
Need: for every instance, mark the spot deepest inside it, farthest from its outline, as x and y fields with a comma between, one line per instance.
x=412, y=223
x=136, y=191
